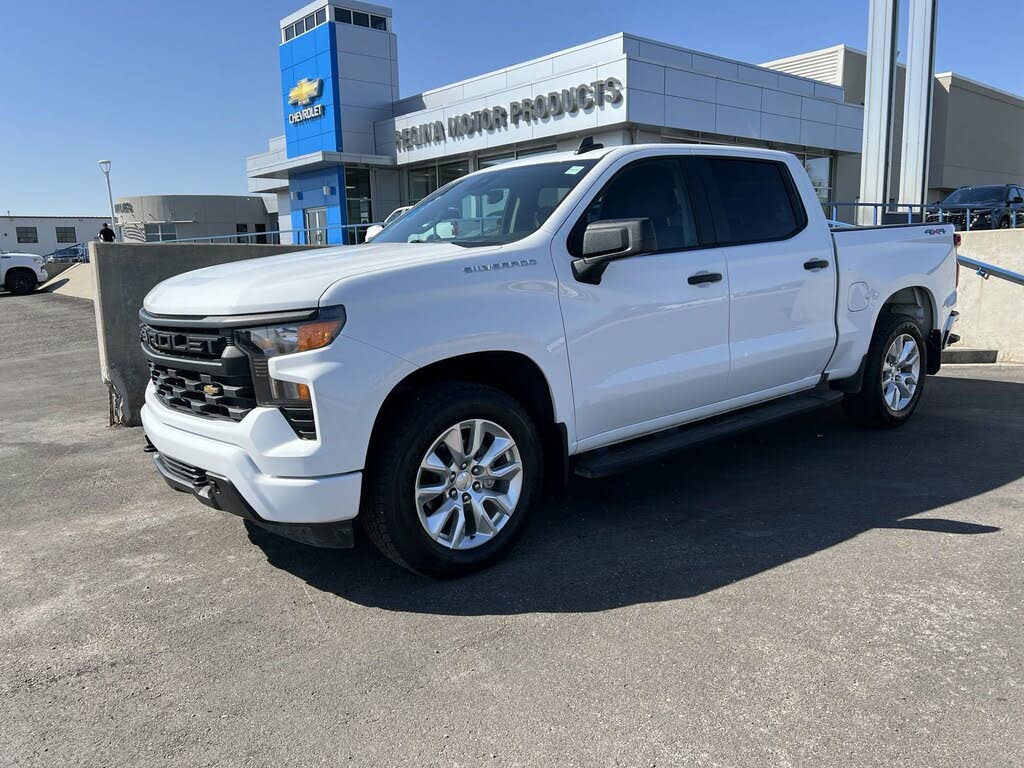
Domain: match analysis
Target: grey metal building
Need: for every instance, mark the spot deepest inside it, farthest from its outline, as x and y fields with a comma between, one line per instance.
x=977, y=130
x=164, y=218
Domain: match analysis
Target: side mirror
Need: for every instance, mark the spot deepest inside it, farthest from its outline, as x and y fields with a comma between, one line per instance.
x=608, y=241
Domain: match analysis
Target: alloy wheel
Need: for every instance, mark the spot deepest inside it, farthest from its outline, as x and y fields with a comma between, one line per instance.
x=468, y=484
x=901, y=371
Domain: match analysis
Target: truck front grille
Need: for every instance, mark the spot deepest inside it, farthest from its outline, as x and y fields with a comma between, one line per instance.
x=202, y=371
x=203, y=394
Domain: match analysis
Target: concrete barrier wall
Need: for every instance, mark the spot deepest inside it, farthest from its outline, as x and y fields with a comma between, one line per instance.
x=54, y=268
x=124, y=274
x=992, y=311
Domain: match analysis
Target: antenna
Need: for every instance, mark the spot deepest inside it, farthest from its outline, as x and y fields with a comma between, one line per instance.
x=587, y=145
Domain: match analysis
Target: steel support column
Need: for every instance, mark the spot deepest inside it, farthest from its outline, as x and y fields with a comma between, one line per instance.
x=917, y=108
x=879, y=98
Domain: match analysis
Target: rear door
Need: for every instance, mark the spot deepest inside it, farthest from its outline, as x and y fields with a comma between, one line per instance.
x=782, y=275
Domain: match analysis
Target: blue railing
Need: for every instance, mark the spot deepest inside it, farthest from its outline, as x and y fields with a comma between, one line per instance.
x=346, y=234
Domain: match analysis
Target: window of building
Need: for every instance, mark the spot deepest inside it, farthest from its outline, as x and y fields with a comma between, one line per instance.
x=310, y=22
x=451, y=171
x=820, y=171
x=261, y=238
x=652, y=189
x=27, y=234
x=361, y=19
x=537, y=151
x=756, y=201
x=422, y=181
x=162, y=232
x=357, y=201
x=66, y=235
x=241, y=229
x=493, y=160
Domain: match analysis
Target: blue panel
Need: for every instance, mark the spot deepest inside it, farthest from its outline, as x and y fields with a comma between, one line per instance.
x=303, y=48
x=312, y=55
x=312, y=144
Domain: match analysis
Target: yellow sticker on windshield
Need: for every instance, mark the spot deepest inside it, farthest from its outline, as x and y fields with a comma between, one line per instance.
x=574, y=170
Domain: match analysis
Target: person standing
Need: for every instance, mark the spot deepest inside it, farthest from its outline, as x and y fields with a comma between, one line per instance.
x=107, y=234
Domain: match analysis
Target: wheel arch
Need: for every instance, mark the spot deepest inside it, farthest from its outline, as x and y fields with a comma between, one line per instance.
x=512, y=372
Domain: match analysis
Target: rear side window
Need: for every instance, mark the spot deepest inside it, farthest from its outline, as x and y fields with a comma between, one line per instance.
x=756, y=201
x=647, y=189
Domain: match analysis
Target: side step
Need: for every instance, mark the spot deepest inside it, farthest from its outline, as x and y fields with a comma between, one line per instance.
x=624, y=456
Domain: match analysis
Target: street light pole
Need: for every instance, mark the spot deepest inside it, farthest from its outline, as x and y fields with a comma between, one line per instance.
x=105, y=167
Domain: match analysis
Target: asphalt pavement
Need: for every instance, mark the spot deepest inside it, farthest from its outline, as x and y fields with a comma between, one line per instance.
x=808, y=594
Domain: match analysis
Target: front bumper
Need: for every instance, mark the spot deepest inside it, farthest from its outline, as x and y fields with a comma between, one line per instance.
x=260, y=496
x=219, y=493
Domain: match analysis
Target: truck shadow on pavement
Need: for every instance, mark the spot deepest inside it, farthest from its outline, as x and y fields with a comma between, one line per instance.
x=714, y=515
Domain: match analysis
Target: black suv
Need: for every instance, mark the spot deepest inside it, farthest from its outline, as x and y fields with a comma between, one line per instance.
x=993, y=206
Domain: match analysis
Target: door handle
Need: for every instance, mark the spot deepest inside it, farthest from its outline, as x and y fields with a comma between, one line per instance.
x=815, y=264
x=701, y=278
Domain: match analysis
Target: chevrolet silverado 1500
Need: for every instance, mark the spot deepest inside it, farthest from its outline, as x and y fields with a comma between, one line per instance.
x=572, y=312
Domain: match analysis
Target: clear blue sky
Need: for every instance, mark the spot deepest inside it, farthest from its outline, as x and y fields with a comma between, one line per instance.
x=178, y=93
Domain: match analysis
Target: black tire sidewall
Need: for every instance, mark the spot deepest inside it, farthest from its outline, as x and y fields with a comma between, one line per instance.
x=432, y=413
x=889, y=329
x=21, y=283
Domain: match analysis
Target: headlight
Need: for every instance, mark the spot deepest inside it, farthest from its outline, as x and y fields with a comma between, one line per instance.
x=275, y=340
x=39, y=260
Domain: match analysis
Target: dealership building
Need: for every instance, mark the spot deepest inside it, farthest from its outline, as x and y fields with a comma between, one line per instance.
x=353, y=148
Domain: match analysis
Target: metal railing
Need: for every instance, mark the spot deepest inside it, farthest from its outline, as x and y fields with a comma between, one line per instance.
x=967, y=215
x=350, y=235
x=985, y=271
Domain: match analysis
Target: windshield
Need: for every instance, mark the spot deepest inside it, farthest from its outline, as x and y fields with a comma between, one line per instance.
x=969, y=195
x=491, y=208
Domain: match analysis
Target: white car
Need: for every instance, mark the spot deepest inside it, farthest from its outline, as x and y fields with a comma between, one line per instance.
x=376, y=229
x=21, y=273
x=627, y=303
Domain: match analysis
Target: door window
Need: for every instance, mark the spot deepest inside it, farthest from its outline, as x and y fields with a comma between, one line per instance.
x=647, y=189
x=756, y=201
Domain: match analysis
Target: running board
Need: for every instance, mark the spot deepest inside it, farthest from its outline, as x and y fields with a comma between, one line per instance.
x=602, y=462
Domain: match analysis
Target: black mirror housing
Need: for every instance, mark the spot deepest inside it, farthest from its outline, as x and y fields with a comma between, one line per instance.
x=611, y=240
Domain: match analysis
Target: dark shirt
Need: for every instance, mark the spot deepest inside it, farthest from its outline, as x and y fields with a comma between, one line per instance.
x=107, y=235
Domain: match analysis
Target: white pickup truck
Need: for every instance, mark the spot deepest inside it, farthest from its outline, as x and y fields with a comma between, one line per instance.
x=21, y=273
x=620, y=304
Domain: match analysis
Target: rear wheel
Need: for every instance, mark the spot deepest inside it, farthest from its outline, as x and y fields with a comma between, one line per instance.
x=453, y=480
x=20, y=281
x=894, y=374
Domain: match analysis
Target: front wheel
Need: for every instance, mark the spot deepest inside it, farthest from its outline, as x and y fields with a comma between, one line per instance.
x=894, y=374
x=452, y=479
x=21, y=282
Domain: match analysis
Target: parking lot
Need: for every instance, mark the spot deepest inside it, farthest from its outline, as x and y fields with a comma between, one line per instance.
x=807, y=594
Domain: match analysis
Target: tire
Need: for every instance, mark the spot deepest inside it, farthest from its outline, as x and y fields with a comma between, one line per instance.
x=870, y=407
x=1004, y=223
x=411, y=438
x=21, y=282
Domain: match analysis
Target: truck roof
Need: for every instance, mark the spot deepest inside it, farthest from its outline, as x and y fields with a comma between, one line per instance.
x=627, y=149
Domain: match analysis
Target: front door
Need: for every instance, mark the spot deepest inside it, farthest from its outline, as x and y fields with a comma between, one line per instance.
x=651, y=341
x=316, y=226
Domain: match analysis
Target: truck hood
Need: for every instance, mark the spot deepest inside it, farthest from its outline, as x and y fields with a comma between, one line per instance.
x=289, y=281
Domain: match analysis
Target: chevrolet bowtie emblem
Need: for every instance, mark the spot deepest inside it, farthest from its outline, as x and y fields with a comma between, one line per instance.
x=305, y=91
x=213, y=390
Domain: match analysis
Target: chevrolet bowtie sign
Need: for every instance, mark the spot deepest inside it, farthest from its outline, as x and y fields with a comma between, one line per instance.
x=305, y=92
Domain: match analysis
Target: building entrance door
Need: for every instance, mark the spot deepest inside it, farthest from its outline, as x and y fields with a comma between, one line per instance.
x=316, y=226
